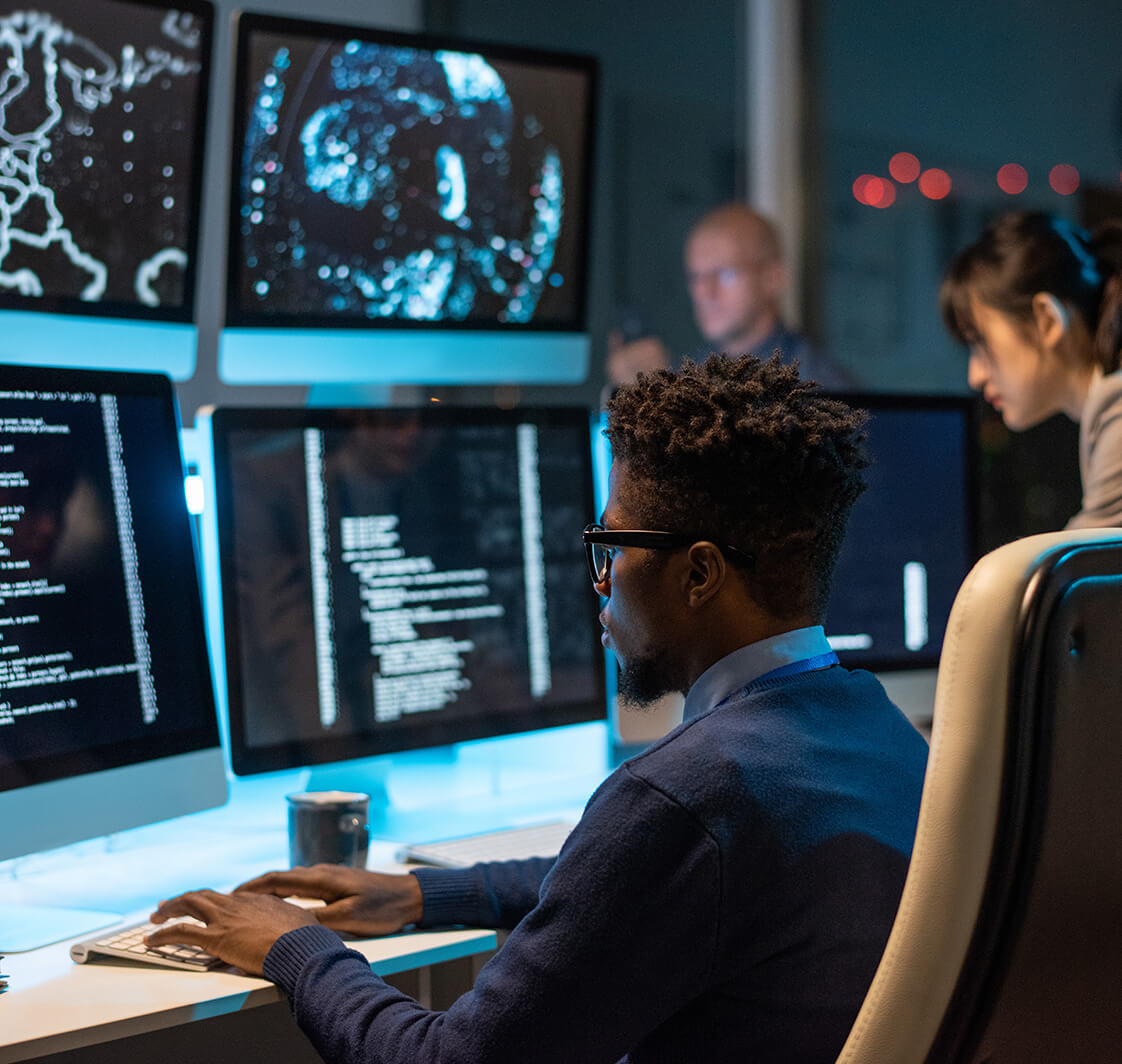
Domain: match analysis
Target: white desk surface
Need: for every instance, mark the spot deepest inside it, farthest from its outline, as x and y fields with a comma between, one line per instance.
x=53, y=1004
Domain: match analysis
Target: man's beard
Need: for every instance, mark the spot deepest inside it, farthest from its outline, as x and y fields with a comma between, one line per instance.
x=643, y=681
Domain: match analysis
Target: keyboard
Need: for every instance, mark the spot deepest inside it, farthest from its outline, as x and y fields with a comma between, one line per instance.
x=509, y=844
x=128, y=943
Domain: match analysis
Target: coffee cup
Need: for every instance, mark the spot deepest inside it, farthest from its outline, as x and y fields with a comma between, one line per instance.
x=328, y=827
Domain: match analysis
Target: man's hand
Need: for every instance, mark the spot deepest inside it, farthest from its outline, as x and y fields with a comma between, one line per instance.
x=358, y=902
x=240, y=928
x=627, y=360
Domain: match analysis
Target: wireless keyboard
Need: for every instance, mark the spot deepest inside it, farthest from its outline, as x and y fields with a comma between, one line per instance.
x=510, y=844
x=128, y=943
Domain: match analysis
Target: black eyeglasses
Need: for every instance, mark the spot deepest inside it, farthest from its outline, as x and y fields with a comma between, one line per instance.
x=598, y=543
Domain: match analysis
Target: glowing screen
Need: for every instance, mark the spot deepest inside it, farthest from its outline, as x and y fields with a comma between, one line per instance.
x=101, y=116
x=402, y=578
x=381, y=178
x=102, y=654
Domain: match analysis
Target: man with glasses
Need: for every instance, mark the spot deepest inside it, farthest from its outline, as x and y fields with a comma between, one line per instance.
x=736, y=277
x=728, y=892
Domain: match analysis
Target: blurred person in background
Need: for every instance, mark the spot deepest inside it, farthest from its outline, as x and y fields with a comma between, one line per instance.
x=736, y=276
x=1038, y=302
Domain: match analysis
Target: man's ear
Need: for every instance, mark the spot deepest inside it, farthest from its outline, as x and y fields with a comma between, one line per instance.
x=705, y=573
x=1052, y=318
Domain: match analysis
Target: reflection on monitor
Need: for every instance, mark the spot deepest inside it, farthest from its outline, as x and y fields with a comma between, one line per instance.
x=394, y=579
x=107, y=716
x=911, y=536
x=389, y=179
x=101, y=131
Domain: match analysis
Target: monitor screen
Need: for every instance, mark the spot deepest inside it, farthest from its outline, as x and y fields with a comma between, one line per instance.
x=402, y=578
x=393, y=180
x=103, y=659
x=102, y=115
x=911, y=536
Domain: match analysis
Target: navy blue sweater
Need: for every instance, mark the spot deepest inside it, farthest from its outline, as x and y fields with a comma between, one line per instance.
x=726, y=896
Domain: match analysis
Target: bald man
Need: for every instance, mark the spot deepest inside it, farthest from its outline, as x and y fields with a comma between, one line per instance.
x=736, y=277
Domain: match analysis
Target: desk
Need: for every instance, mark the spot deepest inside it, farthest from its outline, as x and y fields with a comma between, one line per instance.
x=91, y=1011
x=65, y=1013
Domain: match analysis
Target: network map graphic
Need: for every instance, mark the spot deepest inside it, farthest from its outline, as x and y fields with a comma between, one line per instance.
x=381, y=182
x=98, y=155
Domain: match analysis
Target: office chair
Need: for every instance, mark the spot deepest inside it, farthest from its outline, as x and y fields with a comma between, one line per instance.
x=1007, y=946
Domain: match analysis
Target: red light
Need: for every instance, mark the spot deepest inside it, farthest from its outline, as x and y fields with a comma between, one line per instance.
x=860, y=188
x=885, y=194
x=1012, y=178
x=935, y=184
x=873, y=191
x=904, y=167
x=1064, y=179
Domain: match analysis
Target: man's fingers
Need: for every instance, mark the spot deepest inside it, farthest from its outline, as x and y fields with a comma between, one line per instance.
x=182, y=932
x=278, y=883
x=197, y=903
x=300, y=882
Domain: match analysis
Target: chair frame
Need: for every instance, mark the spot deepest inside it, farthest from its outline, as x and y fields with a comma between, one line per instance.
x=970, y=882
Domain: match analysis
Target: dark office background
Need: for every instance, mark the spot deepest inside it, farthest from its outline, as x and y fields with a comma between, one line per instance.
x=964, y=87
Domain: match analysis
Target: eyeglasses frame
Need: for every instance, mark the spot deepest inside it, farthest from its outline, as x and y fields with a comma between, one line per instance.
x=648, y=539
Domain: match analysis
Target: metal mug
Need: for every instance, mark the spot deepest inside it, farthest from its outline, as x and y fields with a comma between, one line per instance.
x=328, y=827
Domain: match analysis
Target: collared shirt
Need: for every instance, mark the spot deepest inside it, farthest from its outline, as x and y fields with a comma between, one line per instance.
x=736, y=670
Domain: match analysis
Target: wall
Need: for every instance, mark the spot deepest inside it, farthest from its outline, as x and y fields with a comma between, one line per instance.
x=966, y=87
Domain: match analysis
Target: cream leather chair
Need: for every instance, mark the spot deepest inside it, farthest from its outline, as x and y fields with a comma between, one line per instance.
x=1008, y=943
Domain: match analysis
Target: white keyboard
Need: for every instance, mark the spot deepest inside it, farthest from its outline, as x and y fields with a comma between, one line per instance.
x=510, y=844
x=128, y=943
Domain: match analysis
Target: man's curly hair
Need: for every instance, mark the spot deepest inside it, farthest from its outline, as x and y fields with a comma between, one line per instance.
x=745, y=453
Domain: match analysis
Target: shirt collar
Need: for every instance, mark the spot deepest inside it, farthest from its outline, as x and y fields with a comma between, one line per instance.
x=742, y=666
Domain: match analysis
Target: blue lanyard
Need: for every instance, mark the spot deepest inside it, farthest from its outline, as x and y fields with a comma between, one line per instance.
x=819, y=661
x=793, y=668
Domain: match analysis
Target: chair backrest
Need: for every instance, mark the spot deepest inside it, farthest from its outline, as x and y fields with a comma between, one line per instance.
x=1007, y=946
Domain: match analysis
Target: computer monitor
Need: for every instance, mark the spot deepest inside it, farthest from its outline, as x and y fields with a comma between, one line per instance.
x=395, y=579
x=388, y=185
x=912, y=538
x=101, y=139
x=912, y=535
x=107, y=714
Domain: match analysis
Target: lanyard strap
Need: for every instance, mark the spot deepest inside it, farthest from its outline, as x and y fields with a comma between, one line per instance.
x=793, y=668
x=819, y=661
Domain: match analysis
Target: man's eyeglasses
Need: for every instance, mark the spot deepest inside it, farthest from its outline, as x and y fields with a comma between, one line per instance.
x=599, y=544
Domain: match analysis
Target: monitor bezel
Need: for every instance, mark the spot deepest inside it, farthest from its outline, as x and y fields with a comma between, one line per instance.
x=237, y=316
x=967, y=406
x=47, y=770
x=246, y=759
x=137, y=311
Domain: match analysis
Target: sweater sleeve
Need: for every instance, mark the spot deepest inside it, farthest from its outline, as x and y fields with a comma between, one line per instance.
x=623, y=936
x=494, y=895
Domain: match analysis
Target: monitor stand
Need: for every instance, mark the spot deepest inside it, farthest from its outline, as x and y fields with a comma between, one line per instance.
x=27, y=927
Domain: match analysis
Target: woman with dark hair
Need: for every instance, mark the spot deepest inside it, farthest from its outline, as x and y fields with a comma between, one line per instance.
x=1038, y=301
